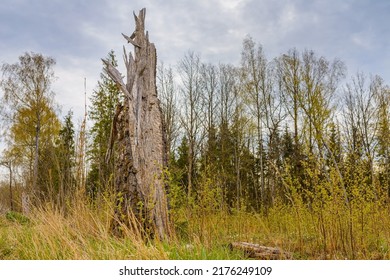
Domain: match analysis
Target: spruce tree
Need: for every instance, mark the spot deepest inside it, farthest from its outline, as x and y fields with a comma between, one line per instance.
x=102, y=110
x=66, y=152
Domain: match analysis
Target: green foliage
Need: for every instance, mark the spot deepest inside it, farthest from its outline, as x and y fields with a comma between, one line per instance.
x=180, y=165
x=57, y=164
x=33, y=124
x=17, y=217
x=104, y=101
x=66, y=151
x=66, y=139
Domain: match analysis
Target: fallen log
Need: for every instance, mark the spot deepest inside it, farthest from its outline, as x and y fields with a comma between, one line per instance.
x=260, y=252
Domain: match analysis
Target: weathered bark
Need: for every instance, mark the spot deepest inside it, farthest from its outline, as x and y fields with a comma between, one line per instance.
x=140, y=138
x=257, y=251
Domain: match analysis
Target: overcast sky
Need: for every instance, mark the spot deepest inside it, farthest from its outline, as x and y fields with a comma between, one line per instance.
x=78, y=33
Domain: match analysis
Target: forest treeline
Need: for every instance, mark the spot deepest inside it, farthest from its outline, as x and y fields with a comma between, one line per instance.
x=266, y=131
x=240, y=137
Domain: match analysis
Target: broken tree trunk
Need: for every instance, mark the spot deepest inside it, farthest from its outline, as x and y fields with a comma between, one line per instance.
x=139, y=137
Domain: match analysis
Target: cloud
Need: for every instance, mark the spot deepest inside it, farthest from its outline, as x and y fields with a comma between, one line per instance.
x=79, y=33
x=69, y=85
x=362, y=40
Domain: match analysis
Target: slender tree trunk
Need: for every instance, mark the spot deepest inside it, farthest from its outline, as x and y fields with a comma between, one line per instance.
x=36, y=156
x=260, y=152
x=190, y=169
x=10, y=187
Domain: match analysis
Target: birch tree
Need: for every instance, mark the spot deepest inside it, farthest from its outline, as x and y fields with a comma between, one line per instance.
x=30, y=107
x=191, y=116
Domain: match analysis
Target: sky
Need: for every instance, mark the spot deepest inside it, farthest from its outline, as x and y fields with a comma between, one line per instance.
x=77, y=34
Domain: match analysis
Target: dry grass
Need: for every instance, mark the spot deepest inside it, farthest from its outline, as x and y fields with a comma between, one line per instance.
x=332, y=231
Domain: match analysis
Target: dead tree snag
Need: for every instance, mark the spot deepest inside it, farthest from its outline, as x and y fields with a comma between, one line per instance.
x=139, y=137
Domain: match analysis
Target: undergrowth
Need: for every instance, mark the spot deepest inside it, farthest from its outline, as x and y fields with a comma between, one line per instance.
x=325, y=228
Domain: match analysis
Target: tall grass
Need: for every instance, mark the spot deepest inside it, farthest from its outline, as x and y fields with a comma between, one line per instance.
x=84, y=233
x=325, y=228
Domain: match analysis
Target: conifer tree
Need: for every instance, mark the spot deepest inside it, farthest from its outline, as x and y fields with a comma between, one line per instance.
x=102, y=110
x=66, y=159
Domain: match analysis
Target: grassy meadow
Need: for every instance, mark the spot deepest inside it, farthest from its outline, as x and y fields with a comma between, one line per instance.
x=327, y=231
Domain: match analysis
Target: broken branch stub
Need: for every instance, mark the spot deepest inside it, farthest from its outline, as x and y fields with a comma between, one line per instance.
x=140, y=139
